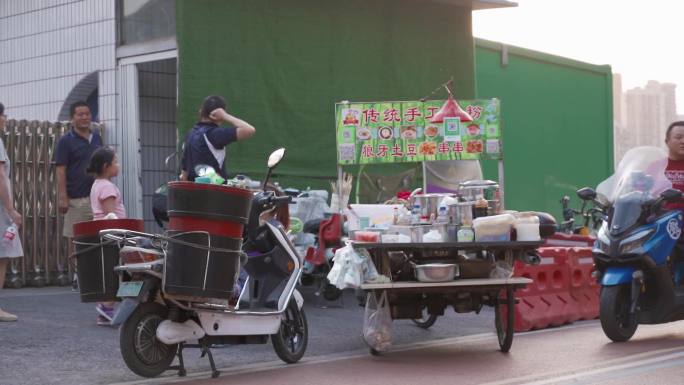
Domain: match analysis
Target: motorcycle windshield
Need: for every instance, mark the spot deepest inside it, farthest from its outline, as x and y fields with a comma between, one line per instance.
x=638, y=179
x=626, y=211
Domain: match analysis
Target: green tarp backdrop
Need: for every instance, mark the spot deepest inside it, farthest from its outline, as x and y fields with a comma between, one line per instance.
x=282, y=66
x=557, y=119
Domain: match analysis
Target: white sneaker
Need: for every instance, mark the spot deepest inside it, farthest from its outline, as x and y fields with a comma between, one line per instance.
x=7, y=317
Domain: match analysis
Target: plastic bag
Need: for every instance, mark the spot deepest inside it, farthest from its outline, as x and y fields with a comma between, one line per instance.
x=351, y=268
x=377, y=322
x=502, y=269
x=341, y=264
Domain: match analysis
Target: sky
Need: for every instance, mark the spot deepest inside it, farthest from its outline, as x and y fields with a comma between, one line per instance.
x=641, y=40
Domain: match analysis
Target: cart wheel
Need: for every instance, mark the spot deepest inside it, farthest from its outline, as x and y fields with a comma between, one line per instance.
x=504, y=319
x=426, y=320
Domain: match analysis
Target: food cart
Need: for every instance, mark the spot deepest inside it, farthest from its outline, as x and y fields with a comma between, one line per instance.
x=423, y=131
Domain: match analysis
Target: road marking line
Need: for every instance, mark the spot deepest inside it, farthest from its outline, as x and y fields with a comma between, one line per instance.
x=608, y=369
x=626, y=360
x=628, y=372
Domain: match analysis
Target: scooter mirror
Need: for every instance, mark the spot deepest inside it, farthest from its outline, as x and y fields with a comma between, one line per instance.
x=275, y=157
x=671, y=194
x=586, y=194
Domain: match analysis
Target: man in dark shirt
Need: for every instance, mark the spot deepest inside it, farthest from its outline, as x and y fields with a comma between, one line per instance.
x=206, y=142
x=72, y=155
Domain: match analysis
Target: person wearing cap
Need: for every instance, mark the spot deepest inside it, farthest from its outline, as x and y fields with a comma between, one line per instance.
x=206, y=143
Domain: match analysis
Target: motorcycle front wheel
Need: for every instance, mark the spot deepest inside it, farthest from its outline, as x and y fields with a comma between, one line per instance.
x=291, y=339
x=616, y=322
x=142, y=352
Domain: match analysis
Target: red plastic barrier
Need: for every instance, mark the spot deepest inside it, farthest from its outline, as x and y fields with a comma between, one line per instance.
x=544, y=302
x=547, y=301
x=531, y=312
x=569, y=240
x=583, y=287
x=563, y=308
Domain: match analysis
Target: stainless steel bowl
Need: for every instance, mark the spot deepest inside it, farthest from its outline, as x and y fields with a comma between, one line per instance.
x=436, y=272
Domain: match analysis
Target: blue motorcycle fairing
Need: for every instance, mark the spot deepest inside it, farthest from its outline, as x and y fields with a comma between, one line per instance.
x=617, y=275
x=661, y=243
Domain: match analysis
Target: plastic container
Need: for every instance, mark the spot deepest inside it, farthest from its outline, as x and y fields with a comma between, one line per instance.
x=10, y=234
x=219, y=210
x=452, y=233
x=465, y=234
x=464, y=213
x=367, y=236
x=395, y=238
x=496, y=228
x=433, y=236
x=527, y=227
x=193, y=270
x=202, y=216
x=96, y=259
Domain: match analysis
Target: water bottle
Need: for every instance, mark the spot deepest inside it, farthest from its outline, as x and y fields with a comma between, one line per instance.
x=442, y=216
x=415, y=217
x=10, y=234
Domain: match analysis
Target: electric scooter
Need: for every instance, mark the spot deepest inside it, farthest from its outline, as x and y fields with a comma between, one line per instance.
x=160, y=326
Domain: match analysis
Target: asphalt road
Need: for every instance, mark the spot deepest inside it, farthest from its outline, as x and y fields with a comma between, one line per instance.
x=56, y=340
x=577, y=354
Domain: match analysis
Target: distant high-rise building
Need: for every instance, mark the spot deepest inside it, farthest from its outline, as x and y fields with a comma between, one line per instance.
x=649, y=110
x=618, y=101
x=621, y=140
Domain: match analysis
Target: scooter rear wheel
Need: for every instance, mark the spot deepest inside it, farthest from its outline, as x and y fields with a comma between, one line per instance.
x=616, y=322
x=291, y=339
x=142, y=352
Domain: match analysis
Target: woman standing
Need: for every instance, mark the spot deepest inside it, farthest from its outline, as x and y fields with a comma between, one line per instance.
x=10, y=247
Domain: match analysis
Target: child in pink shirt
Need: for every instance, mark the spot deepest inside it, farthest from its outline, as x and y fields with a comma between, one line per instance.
x=105, y=198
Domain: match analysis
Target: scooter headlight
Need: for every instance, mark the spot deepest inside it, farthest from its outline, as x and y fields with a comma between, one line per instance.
x=633, y=244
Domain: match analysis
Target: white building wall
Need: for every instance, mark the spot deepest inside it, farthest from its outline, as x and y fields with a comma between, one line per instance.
x=47, y=47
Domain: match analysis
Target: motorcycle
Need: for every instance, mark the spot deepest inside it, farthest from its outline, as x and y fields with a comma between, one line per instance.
x=637, y=267
x=591, y=217
x=160, y=326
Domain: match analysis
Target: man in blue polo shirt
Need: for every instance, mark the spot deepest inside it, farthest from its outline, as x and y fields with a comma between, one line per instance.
x=206, y=142
x=72, y=155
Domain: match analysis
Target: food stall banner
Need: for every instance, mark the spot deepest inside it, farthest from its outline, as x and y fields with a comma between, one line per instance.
x=395, y=132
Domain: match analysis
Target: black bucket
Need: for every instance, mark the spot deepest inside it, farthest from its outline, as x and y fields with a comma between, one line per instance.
x=199, y=264
x=96, y=258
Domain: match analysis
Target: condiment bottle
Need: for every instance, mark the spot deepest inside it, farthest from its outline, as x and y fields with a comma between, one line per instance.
x=465, y=234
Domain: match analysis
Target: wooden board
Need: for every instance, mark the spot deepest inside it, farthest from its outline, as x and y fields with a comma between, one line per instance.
x=512, y=245
x=476, y=282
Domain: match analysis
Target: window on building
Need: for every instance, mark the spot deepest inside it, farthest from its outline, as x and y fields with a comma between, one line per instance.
x=146, y=20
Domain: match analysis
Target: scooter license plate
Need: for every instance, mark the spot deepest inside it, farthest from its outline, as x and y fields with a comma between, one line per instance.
x=129, y=289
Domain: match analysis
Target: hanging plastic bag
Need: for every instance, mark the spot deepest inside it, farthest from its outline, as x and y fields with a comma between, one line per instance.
x=341, y=263
x=377, y=322
x=370, y=273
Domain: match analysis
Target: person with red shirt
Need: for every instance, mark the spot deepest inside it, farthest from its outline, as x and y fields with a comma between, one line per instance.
x=674, y=138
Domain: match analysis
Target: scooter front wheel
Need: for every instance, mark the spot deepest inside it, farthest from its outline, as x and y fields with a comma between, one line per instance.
x=616, y=322
x=142, y=352
x=291, y=339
